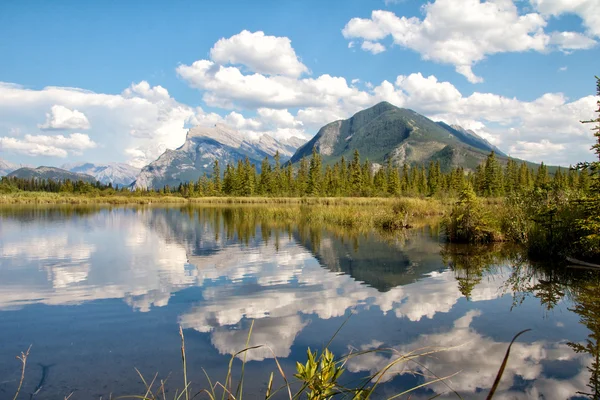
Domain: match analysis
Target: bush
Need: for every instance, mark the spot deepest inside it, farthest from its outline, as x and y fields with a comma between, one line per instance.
x=470, y=222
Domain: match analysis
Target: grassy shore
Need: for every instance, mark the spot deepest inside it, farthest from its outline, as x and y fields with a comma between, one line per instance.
x=344, y=212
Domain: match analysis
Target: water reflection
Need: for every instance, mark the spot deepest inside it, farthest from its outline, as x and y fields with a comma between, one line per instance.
x=212, y=270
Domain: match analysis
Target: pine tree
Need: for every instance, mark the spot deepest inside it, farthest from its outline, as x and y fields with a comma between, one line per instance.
x=356, y=179
x=405, y=179
x=217, y=178
x=264, y=185
x=248, y=178
x=541, y=177
x=302, y=177
x=314, y=174
x=343, y=177
x=380, y=182
x=289, y=180
x=367, y=179
x=492, y=183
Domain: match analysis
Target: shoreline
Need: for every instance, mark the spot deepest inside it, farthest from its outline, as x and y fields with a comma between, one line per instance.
x=35, y=198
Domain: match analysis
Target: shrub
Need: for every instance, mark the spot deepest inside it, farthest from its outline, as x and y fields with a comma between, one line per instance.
x=470, y=222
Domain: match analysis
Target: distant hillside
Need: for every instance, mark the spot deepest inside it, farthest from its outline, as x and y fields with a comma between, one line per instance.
x=385, y=131
x=115, y=173
x=204, y=145
x=51, y=173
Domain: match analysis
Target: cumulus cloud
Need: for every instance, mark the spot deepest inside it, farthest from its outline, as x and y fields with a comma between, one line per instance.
x=145, y=91
x=260, y=53
x=43, y=145
x=143, y=120
x=463, y=32
x=61, y=117
x=372, y=47
x=587, y=10
x=326, y=98
x=572, y=41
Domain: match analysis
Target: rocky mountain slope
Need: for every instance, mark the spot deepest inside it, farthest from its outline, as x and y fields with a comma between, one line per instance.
x=386, y=131
x=51, y=173
x=204, y=145
x=115, y=173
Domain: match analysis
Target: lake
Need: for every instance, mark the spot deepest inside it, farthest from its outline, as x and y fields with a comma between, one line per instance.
x=99, y=292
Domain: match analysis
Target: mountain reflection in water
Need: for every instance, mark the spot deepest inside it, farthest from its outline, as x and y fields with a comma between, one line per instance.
x=99, y=291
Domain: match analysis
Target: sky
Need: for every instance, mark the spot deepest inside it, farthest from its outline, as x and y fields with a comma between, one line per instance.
x=113, y=81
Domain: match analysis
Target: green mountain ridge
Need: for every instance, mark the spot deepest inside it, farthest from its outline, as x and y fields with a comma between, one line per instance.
x=385, y=131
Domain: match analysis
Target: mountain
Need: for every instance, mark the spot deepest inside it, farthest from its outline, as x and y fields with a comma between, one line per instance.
x=204, y=145
x=115, y=173
x=51, y=173
x=7, y=167
x=386, y=131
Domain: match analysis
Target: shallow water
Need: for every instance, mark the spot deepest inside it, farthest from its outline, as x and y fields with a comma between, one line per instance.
x=98, y=292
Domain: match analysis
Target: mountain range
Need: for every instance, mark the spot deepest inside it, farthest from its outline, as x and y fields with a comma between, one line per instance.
x=380, y=133
x=114, y=173
x=50, y=173
x=203, y=145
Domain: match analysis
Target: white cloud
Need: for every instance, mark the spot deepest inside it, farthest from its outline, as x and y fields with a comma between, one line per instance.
x=44, y=145
x=587, y=10
x=145, y=91
x=562, y=69
x=260, y=53
x=572, y=41
x=537, y=150
x=140, y=123
x=61, y=117
x=464, y=32
x=143, y=120
x=372, y=47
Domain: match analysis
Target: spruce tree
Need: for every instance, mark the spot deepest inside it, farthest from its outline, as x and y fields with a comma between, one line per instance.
x=302, y=178
x=264, y=185
x=356, y=179
x=314, y=174
x=217, y=178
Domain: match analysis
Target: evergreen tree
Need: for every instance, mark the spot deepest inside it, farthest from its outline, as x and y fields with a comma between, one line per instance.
x=314, y=174
x=217, y=178
x=248, y=178
x=343, y=177
x=302, y=178
x=492, y=182
x=264, y=185
x=541, y=177
x=290, y=187
x=356, y=179
x=380, y=182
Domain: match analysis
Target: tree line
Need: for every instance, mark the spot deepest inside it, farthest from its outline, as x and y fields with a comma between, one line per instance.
x=352, y=178
x=361, y=178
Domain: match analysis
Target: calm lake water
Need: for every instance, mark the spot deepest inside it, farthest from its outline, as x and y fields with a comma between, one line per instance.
x=98, y=292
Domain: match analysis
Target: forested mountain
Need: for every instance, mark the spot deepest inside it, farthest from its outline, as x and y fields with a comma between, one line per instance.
x=114, y=173
x=51, y=173
x=385, y=131
x=204, y=145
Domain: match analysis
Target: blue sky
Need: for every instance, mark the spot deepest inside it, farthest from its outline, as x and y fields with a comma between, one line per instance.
x=495, y=67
